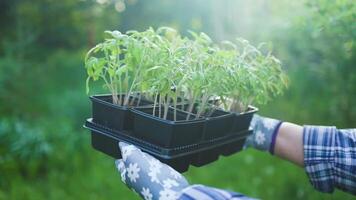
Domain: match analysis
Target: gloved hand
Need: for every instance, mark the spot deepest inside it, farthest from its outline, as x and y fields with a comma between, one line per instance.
x=147, y=176
x=153, y=180
x=264, y=135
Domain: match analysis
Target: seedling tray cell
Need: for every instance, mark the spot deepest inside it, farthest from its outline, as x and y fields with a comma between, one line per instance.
x=106, y=140
x=232, y=148
x=116, y=117
x=206, y=157
x=219, y=124
x=166, y=132
x=242, y=120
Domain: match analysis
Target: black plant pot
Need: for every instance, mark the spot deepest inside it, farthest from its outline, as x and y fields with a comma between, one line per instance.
x=113, y=116
x=166, y=132
x=233, y=147
x=197, y=154
x=242, y=120
x=183, y=105
x=219, y=124
x=108, y=144
x=235, y=144
x=105, y=143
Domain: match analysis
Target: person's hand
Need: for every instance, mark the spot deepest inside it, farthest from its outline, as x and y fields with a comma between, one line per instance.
x=264, y=133
x=147, y=176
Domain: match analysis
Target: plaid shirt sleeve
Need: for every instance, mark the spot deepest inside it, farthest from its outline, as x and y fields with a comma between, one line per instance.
x=330, y=158
x=202, y=192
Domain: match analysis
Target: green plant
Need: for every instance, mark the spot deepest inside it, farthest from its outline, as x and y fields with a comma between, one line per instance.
x=119, y=61
x=165, y=67
x=24, y=149
x=108, y=66
x=251, y=76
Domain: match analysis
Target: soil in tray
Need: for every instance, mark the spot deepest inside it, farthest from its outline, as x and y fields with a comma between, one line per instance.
x=111, y=115
x=167, y=132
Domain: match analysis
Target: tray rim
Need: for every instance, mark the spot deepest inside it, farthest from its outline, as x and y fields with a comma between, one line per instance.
x=163, y=152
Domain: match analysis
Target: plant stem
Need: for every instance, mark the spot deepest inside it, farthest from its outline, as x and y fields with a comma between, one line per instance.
x=120, y=92
x=126, y=84
x=191, y=106
x=166, y=107
x=214, y=107
x=175, y=107
x=131, y=103
x=223, y=100
x=160, y=106
x=231, y=107
x=139, y=100
x=127, y=98
x=111, y=89
x=202, y=106
x=190, y=97
x=211, y=111
x=154, y=105
x=116, y=99
x=117, y=58
x=133, y=82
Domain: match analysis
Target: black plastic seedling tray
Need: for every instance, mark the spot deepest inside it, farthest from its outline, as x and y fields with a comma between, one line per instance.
x=167, y=132
x=116, y=117
x=219, y=124
x=198, y=154
x=242, y=120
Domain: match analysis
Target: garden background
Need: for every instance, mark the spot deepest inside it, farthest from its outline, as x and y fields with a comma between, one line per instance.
x=46, y=154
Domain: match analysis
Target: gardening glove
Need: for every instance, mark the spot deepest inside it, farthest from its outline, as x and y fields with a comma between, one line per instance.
x=264, y=135
x=147, y=176
x=153, y=180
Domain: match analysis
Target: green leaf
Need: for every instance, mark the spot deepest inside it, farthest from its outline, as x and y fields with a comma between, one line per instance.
x=154, y=68
x=111, y=72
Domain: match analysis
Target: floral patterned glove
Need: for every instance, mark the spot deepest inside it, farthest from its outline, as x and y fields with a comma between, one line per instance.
x=264, y=135
x=147, y=176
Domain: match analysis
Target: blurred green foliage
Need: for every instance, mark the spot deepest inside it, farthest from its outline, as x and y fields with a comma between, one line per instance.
x=46, y=154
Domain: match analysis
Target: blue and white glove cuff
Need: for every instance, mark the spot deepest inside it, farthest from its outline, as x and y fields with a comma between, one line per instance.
x=265, y=131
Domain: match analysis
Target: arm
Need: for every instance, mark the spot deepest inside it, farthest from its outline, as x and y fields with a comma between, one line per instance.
x=327, y=154
x=330, y=158
x=283, y=139
x=289, y=143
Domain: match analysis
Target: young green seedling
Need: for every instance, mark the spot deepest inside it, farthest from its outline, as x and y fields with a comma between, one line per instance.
x=165, y=67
